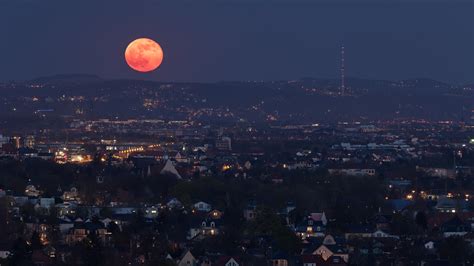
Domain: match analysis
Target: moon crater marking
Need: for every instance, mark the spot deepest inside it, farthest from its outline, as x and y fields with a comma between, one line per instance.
x=144, y=55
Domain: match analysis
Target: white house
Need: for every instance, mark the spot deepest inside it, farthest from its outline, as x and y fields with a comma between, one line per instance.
x=187, y=259
x=232, y=262
x=66, y=208
x=170, y=169
x=174, y=203
x=202, y=206
x=46, y=202
x=430, y=245
x=381, y=234
x=4, y=254
x=151, y=212
x=31, y=191
x=72, y=194
x=181, y=158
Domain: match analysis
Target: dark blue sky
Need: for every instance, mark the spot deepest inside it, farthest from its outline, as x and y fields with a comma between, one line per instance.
x=207, y=40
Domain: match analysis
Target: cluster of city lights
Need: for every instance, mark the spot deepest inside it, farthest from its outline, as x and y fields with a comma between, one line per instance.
x=130, y=150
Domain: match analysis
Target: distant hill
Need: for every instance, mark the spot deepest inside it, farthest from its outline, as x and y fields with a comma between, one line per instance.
x=66, y=78
x=302, y=100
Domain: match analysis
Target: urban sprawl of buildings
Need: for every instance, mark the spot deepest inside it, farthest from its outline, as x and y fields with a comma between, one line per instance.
x=223, y=189
x=177, y=195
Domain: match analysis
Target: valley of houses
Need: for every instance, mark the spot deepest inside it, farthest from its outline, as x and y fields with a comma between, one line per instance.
x=74, y=222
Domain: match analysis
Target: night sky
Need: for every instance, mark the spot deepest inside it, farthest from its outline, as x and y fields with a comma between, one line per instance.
x=240, y=40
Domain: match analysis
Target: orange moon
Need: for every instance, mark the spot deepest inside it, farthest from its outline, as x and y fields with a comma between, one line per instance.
x=144, y=55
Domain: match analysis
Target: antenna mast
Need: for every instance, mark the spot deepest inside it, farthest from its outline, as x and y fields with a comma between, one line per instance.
x=343, y=74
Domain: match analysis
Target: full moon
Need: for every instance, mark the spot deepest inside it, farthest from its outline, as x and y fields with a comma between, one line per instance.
x=144, y=55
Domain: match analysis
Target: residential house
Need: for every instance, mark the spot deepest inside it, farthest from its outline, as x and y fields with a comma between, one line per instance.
x=228, y=261
x=32, y=191
x=382, y=222
x=71, y=195
x=66, y=209
x=383, y=234
x=280, y=259
x=312, y=226
x=202, y=206
x=328, y=248
x=187, y=259
x=151, y=212
x=215, y=214
x=46, y=202
x=359, y=231
x=319, y=216
x=446, y=204
x=82, y=230
x=64, y=225
x=180, y=158
x=317, y=260
x=170, y=169
x=207, y=227
x=250, y=212
x=174, y=203
x=328, y=251
x=455, y=227
x=430, y=245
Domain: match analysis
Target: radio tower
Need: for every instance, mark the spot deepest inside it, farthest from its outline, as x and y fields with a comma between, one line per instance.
x=343, y=86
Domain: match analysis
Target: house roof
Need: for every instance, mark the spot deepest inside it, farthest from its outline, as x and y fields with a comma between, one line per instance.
x=440, y=218
x=201, y=202
x=221, y=261
x=337, y=249
x=185, y=252
x=170, y=169
x=400, y=204
x=455, y=224
x=317, y=216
